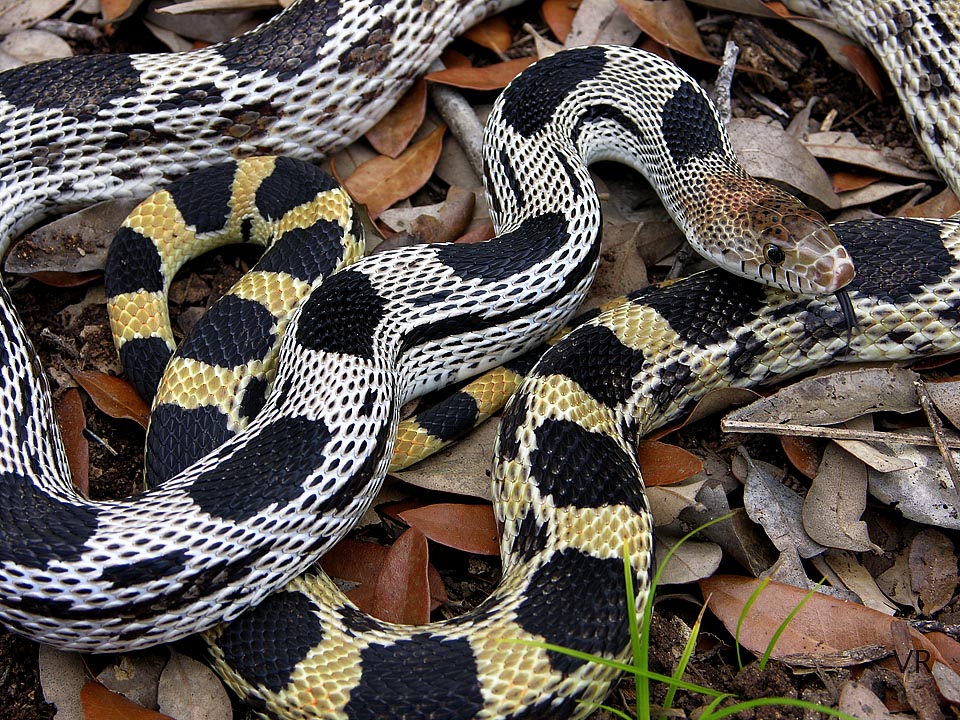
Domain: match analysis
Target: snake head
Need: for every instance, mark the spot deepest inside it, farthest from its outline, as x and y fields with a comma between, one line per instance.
x=767, y=235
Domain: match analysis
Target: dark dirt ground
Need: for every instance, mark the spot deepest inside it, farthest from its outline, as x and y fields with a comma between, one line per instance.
x=84, y=343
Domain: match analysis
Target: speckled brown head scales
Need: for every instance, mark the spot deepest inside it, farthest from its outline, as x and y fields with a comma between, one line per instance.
x=771, y=236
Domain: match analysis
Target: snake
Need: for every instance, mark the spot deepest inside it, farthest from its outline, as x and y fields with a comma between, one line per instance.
x=217, y=538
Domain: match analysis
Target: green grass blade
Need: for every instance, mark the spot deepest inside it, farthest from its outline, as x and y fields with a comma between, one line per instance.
x=641, y=683
x=743, y=614
x=685, y=656
x=765, y=702
x=786, y=621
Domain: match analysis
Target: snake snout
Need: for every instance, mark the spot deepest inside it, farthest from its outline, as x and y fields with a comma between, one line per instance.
x=818, y=261
x=830, y=265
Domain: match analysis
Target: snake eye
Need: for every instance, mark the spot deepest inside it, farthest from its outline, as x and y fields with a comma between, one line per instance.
x=773, y=254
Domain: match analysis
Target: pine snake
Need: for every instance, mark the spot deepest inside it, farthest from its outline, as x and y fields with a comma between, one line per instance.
x=569, y=497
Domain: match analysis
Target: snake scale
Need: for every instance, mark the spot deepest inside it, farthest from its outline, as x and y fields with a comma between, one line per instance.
x=234, y=528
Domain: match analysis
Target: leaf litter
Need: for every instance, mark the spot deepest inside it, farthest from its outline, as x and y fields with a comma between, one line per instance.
x=832, y=520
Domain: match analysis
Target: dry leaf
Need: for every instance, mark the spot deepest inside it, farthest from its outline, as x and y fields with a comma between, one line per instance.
x=490, y=77
x=923, y=492
x=803, y=453
x=470, y=528
x=946, y=396
x=845, y=147
x=766, y=150
x=382, y=181
x=663, y=464
x=601, y=22
x=942, y=205
x=114, y=396
x=559, y=14
x=670, y=23
x=774, y=506
x=396, y=129
x=361, y=562
x=933, y=569
x=859, y=580
x=190, y=689
x=824, y=625
x=101, y=704
x=668, y=501
x=836, y=501
x=72, y=424
x=403, y=591
x=494, y=33
x=692, y=561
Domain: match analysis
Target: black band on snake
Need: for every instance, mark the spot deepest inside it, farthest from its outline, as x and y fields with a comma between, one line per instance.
x=238, y=527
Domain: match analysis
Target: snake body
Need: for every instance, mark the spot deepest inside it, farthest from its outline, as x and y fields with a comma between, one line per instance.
x=230, y=531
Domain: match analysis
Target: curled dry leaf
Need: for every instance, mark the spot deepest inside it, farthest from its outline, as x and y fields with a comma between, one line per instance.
x=942, y=205
x=824, y=624
x=361, y=562
x=768, y=151
x=396, y=129
x=836, y=501
x=933, y=569
x=494, y=33
x=663, y=464
x=667, y=502
x=470, y=528
x=403, y=592
x=101, y=704
x=382, y=181
x=190, y=689
x=72, y=423
x=114, y=396
x=946, y=396
x=559, y=14
x=670, y=23
x=601, y=22
x=803, y=453
x=490, y=77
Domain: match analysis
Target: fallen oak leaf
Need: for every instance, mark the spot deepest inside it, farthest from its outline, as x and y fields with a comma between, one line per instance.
x=114, y=396
x=489, y=77
x=470, y=528
x=670, y=23
x=559, y=14
x=402, y=594
x=383, y=181
x=494, y=33
x=360, y=562
x=72, y=424
x=102, y=704
x=824, y=626
x=396, y=129
x=663, y=464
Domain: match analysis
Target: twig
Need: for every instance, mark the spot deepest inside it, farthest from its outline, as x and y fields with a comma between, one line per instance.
x=915, y=437
x=459, y=116
x=936, y=427
x=721, y=88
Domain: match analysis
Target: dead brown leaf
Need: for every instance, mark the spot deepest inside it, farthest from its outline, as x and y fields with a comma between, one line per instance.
x=382, y=181
x=114, y=396
x=72, y=424
x=470, y=528
x=824, y=624
x=803, y=453
x=403, y=591
x=101, y=704
x=941, y=205
x=933, y=569
x=361, y=562
x=490, y=77
x=670, y=23
x=559, y=15
x=494, y=33
x=663, y=464
x=396, y=129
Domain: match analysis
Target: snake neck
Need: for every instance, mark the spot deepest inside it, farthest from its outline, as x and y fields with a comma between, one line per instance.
x=614, y=103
